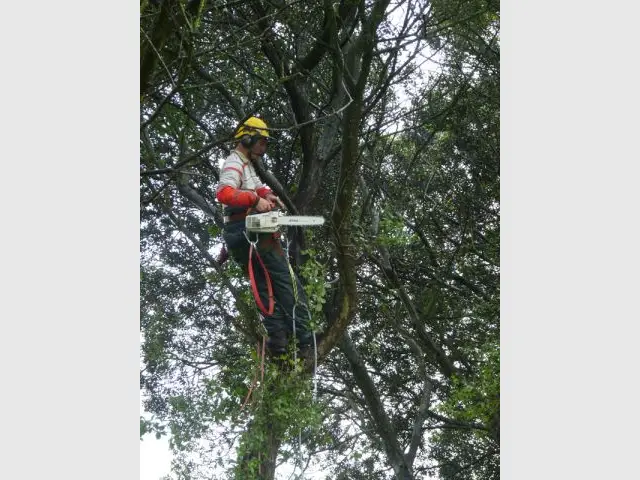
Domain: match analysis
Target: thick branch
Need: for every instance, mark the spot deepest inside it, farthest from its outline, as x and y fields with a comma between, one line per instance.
x=198, y=200
x=385, y=429
x=187, y=159
x=219, y=86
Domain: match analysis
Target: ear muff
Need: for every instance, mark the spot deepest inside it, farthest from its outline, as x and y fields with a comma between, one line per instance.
x=249, y=141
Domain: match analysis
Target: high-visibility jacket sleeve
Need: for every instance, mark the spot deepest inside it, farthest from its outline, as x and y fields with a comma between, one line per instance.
x=236, y=198
x=263, y=191
x=239, y=186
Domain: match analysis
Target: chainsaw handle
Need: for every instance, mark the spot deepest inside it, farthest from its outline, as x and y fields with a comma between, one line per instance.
x=279, y=202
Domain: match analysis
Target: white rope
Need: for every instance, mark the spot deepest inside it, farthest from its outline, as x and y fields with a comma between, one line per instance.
x=293, y=323
x=315, y=367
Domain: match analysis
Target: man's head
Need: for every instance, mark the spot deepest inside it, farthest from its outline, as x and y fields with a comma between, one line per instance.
x=252, y=136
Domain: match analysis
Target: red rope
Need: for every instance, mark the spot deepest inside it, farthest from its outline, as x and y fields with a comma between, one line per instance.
x=254, y=286
x=253, y=384
x=255, y=377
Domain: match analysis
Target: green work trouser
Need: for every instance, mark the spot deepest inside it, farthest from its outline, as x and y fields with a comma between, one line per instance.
x=270, y=250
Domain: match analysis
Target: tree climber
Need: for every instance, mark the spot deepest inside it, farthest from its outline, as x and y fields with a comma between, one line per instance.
x=241, y=191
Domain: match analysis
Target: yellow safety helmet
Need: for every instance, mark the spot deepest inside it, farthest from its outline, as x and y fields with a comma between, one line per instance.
x=252, y=126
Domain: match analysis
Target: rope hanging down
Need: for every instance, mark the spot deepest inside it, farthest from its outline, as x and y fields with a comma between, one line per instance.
x=293, y=315
x=260, y=353
x=254, y=286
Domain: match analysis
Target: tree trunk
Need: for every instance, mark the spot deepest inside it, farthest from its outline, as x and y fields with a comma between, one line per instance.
x=258, y=461
x=384, y=427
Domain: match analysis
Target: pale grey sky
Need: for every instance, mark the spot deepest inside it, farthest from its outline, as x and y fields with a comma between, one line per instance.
x=155, y=458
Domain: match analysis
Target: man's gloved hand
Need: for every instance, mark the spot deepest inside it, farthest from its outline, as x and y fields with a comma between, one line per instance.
x=263, y=205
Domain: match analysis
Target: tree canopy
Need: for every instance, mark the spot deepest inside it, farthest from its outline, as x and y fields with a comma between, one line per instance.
x=386, y=115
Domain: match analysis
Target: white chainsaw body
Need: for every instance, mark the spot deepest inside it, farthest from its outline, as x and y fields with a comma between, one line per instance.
x=272, y=221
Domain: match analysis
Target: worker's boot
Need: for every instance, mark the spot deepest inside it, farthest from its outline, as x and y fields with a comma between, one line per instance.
x=306, y=351
x=277, y=343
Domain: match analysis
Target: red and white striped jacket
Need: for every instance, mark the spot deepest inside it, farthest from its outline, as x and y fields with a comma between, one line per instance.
x=239, y=184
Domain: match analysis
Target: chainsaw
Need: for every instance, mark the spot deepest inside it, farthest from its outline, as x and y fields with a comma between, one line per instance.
x=271, y=221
